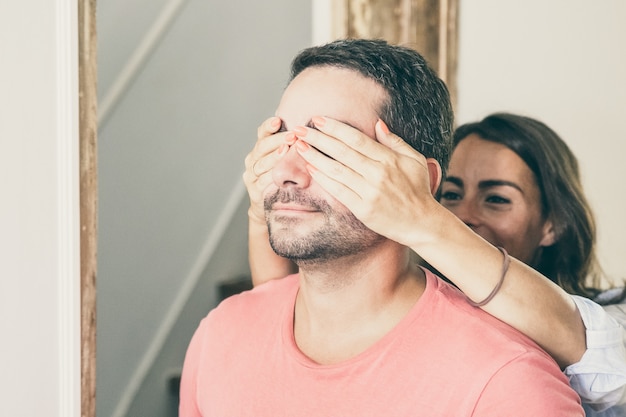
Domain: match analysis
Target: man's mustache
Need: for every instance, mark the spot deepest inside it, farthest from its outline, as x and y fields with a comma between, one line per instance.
x=285, y=196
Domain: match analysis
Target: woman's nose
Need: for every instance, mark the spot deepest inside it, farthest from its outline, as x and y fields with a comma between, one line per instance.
x=290, y=170
x=466, y=210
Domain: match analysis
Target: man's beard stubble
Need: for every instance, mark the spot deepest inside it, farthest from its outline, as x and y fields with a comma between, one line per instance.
x=341, y=234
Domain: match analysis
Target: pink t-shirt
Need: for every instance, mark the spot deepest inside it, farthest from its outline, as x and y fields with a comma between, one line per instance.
x=445, y=358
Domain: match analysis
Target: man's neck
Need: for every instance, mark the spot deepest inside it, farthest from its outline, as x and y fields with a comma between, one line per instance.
x=345, y=306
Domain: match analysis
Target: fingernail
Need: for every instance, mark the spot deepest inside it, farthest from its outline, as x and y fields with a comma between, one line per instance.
x=302, y=146
x=318, y=121
x=300, y=131
x=383, y=126
x=290, y=138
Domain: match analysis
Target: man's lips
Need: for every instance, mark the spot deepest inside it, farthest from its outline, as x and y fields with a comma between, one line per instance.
x=293, y=208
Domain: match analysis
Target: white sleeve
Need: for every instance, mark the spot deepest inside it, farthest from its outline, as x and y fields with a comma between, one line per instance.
x=600, y=375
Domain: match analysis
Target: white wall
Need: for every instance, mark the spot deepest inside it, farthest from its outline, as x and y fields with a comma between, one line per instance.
x=39, y=255
x=563, y=62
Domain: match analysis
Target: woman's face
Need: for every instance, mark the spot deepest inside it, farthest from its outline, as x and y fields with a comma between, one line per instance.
x=494, y=192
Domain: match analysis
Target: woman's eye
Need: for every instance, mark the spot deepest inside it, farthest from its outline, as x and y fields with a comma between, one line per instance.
x=496, y=199
x=450, y=196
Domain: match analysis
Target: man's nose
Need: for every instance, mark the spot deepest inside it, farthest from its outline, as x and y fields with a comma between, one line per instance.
x=291, y=170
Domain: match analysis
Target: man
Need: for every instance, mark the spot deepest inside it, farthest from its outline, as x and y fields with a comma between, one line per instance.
x=360, y=330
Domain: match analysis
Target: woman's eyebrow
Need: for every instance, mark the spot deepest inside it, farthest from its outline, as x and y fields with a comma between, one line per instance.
x=484, y=184
x=455, y=180
x=499, y=183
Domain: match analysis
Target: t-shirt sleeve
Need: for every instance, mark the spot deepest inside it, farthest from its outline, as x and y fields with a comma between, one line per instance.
x=188, y=406
x=529, y=385
x=600, y=376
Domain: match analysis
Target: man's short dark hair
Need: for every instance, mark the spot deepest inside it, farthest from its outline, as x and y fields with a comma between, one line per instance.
x=418, y=108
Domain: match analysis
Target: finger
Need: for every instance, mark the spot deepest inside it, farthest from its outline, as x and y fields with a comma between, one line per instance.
x=263, y=158
x=267, y=139
x=269, y=126
x=393, y=141
x=321, y=161
x=336, y=149
x=263, y=181
x=267, y=142
x=340, y=180
x=339, y=190
x=257, y=182
x=256, y=185
x=348, y=167
x=354, y=198
x=350, y=136
x=269, y=136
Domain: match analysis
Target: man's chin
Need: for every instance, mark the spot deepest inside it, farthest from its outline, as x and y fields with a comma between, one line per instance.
x=294, y=249
x=293, y=230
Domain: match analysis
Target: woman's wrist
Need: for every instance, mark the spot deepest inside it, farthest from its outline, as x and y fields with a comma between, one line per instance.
x=434, y=227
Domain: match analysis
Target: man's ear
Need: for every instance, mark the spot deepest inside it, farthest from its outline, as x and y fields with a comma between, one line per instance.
x=434, y=172
x=549, y=236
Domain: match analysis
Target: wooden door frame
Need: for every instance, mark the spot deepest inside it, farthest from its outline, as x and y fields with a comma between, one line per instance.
x=88, y=128
x=429, y=26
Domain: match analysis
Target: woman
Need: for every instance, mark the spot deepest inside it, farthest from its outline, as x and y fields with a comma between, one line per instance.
x=505, y=146
x=514, y=182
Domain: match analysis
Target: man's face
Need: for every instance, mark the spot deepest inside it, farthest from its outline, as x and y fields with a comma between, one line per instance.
x=305, y=223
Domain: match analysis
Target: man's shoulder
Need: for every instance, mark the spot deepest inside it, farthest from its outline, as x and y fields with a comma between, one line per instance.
x=475, y=324
x=532, y=386
x=502, y=358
